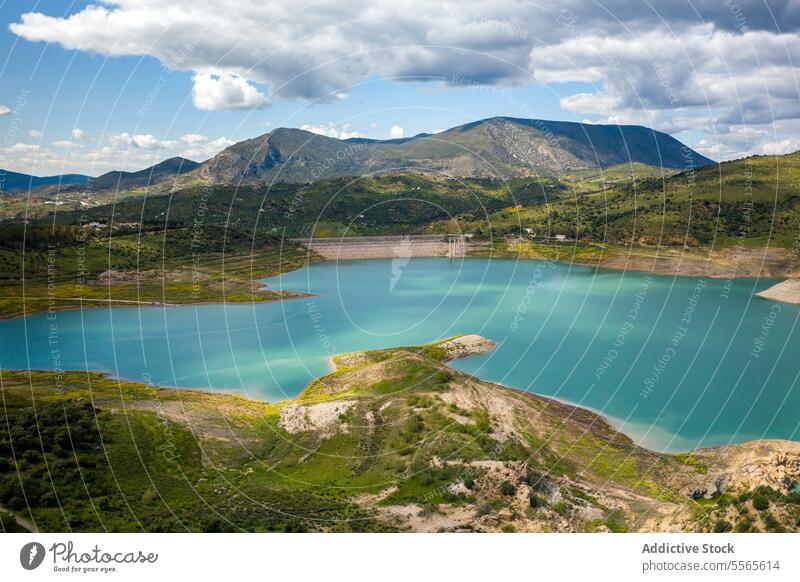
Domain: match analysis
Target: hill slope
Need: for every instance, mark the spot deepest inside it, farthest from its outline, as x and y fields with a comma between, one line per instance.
x=16, y=182
x=500, y=147
x=166, y=170
x=748, y=202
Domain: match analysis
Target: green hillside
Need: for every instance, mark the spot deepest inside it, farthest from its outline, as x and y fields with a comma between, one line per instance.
x=400, y=202
x=68, y=266
x=752, y=202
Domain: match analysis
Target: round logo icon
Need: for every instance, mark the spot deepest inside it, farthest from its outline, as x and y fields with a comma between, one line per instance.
x=31, y=555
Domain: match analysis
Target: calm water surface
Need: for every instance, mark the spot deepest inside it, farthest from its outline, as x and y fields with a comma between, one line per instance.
x=674, y=362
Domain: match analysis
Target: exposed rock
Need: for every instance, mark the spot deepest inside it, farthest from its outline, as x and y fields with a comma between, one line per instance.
x=786, y=291
x=466, y=345
x=324, y=417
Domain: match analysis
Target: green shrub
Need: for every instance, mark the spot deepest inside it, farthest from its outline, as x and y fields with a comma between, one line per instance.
x=507, y=488
x=772, y=523
x=760, y=502
x=722, y=526
x=744, y=525
x=31, y=455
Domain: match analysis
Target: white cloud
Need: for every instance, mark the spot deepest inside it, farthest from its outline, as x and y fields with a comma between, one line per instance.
x=64, y=143
x=78, y=133
x=149, y=142
x=23, y=147
x=331, y=130
x=117, y=151
x=396, y=132
x=202, y=151
x=4, y=110
x=784, y=146
x=193, y=138
x=142, y=141
x=35, y=134
x=225, y=92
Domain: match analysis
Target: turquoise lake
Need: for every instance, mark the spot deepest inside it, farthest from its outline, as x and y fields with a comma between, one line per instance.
x=675, y=362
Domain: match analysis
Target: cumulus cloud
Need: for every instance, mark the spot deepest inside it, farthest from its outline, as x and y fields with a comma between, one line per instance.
x=705, y=65
x=332, y=130
x=78, y=133
x=193, y=138
x=396, y=132
x=142, y=141
x=202, y=149
x=784, y=146
x=225, y=92
x=35, y=134
x=192, y=145
x=116, y=151
x=728, y=84
x=4, y=110
x=64, y=143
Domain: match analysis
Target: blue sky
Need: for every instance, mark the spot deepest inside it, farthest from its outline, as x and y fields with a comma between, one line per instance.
x=89, y=87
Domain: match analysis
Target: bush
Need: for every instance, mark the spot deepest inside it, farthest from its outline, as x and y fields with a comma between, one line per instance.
x=536, y=501
x=772, y=523
x=744, y=525
x=16, y=503
x=31, y=455
x=507, y=488
x=9, y=525
x=722, y=526
x=760, y=502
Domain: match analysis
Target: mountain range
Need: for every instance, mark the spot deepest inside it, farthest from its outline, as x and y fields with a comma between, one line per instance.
x=115, y=180
x=498, y=147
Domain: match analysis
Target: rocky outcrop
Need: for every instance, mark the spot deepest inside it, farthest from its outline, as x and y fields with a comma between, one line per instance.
x=786, y=291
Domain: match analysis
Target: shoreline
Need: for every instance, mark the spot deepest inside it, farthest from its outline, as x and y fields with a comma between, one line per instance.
x=785, y=294
x=122, y=303
x=451, y=348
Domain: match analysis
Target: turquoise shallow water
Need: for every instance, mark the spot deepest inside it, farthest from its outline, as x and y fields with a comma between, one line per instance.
x=674, y=362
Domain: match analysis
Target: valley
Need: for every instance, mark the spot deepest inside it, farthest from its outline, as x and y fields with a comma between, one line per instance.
x=403, y=439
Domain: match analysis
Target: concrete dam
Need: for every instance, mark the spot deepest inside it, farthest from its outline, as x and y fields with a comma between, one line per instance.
x=388, y=247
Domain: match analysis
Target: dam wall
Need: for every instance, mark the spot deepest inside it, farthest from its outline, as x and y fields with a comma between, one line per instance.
x=387, y=247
